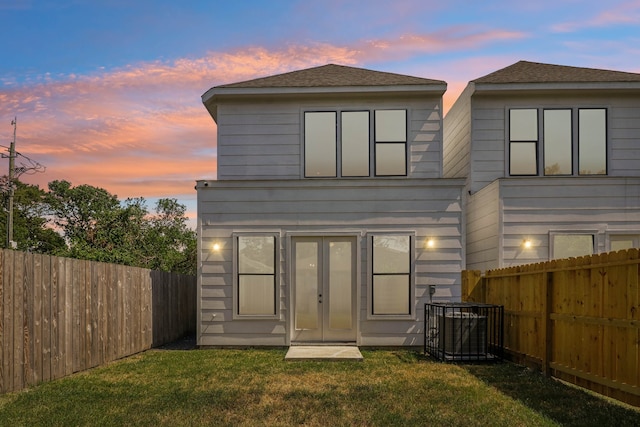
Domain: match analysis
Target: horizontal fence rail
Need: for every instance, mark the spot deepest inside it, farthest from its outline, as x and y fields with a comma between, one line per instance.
x=576, y=319
x=59, y=315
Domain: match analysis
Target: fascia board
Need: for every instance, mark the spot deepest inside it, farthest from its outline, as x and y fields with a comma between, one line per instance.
x=222, y=91
x=512, y=87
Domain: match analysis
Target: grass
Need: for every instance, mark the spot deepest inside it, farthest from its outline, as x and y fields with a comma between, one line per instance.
x=256, y=387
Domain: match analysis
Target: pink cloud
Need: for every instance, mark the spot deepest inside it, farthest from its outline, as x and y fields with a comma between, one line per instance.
x=450, y=39
x=142, y=131
x=627, y=13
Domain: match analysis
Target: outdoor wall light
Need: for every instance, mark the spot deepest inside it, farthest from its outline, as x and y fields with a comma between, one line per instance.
x=430, y=243
x=216, y=247
x=526, y=243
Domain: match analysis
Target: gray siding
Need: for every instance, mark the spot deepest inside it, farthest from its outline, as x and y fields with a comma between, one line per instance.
x=624, y=135
x=534, y=207
x=429, y=208
x=457, y=137
x=482, y=213
x=260, y=141
x=263, y=140
x=489, y=131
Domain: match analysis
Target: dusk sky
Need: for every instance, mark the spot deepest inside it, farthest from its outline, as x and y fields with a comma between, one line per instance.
x=107, y=93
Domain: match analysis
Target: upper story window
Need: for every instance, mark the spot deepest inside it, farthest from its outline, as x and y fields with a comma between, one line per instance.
x=570, y=141
x=339, y=144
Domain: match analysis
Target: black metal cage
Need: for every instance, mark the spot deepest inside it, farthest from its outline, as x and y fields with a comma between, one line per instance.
x=464, y=331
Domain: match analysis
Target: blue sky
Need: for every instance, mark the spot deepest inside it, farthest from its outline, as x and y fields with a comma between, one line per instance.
x=107, y=93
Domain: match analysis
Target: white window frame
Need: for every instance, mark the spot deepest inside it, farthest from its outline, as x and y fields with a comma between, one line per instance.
x=553, y=234
x=633, y=235
x=276, y=274
x=412, y=287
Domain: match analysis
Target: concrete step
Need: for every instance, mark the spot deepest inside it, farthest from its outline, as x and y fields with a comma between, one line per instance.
x=323, y=352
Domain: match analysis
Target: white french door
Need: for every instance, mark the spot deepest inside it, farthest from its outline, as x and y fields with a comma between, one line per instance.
x=324, y=289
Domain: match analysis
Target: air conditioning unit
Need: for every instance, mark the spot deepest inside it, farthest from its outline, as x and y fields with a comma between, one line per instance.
x=462, y=334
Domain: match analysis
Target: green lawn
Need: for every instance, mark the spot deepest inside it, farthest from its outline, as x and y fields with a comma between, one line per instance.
x=257, y=387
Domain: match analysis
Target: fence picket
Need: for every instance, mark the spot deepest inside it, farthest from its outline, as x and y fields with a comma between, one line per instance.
x=60, y=315
x=578, y=318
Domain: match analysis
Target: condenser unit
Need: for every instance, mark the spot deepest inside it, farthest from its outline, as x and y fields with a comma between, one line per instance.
x=463, y=331
x=462, y=334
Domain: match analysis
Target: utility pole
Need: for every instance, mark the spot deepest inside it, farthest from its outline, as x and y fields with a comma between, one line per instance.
x=12, y=157
x=25, y=165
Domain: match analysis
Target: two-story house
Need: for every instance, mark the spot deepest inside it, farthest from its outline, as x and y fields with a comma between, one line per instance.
x=330, y=219
x=551, y=158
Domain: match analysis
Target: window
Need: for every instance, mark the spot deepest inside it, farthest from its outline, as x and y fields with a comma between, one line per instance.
x=561, y=151
x=355, y=143
x=391, y=142
x=391, y=275
x=557, y=142
x=571, y=245
x=523, y=142
x=320, y=144
x=256, y=284
x=619, y=242
x=592, y=141
x=339, y=145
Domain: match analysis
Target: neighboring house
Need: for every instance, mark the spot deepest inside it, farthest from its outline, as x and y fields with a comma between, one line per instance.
x=551, y=155
x=330, y=220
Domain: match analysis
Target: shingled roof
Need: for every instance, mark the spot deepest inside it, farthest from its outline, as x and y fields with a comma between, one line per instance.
x=535, y=72
x=332, y=75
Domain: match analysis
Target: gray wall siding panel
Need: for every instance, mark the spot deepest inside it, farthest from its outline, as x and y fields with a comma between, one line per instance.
x=483, y=228
x=264, y=140
x=457, y=137
x=428, y=208
x=533, y=208
x=489, y=145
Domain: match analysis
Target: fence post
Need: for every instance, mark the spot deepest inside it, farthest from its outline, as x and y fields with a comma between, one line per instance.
x=472, y=286
x=547, y=328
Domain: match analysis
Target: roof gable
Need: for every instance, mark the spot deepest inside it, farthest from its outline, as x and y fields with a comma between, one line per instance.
x=332, y=75
x=535, y=72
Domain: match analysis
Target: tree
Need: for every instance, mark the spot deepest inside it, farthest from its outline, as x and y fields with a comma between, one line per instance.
x=87, y=222
x=172, y=243
x=31, y=229
x=80, y=212
x=98, y=227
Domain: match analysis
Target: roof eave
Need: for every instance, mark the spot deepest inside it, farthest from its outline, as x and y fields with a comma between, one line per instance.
x=507, y=87
x=211, y=97
x=251, y=91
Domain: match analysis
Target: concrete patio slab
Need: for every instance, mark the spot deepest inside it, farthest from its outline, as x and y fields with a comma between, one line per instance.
x=329, y=353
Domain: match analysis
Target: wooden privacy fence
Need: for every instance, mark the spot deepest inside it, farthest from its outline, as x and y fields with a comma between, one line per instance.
x=60, y=315
x=577, y=319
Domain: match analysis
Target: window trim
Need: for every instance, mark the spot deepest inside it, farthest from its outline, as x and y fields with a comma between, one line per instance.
x=236, y=276
x=634, y=234
x=552, y=234
x=412, y=287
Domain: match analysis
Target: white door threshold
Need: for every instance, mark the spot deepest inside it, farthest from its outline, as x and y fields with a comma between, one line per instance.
x=324, y=352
